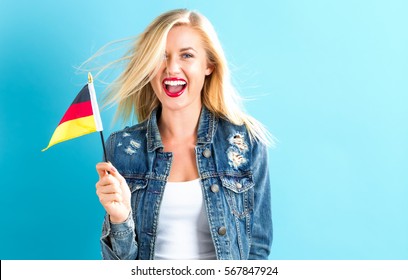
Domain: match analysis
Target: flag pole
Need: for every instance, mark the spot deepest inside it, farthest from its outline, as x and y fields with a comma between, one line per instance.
x=105, y=158
x=92, y=92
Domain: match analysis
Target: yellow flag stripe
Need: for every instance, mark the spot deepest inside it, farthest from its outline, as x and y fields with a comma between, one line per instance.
x=72, y=129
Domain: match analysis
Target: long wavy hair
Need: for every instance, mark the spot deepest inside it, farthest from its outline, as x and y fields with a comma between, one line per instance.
x=132, y=91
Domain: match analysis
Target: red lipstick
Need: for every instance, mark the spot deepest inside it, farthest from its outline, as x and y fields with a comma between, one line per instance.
x=174, y=87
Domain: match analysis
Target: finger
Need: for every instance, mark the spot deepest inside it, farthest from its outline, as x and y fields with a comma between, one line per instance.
x=104, y=168
x=108, y=179
x=110, y=198
x=115, y=173
x=105, y=189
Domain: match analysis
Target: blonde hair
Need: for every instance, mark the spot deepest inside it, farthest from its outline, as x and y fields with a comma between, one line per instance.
x=135, y=96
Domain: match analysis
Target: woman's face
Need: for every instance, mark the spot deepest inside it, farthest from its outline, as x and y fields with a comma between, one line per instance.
x=180, y=79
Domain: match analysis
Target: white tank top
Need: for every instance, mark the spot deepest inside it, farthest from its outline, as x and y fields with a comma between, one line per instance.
x=183, y=231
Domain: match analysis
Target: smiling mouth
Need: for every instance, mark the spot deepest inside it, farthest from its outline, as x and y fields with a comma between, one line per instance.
x=174, y=87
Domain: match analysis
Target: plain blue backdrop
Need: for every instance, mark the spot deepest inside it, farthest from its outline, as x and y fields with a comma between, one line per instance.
x=327, y=78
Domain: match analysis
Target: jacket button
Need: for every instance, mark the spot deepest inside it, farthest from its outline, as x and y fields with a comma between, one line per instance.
x=207, y=153
x=239, y=185
x=222, y=231
x=215, y=188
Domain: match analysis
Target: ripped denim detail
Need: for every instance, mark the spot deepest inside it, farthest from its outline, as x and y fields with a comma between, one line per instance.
x=236, y=153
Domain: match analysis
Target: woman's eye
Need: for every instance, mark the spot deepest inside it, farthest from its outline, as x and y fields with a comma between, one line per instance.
x=187, y=55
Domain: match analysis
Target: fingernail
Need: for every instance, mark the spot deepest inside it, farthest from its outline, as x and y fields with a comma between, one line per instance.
x=113, y=169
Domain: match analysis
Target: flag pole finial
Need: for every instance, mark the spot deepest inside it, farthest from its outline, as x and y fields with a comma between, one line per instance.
x=90, y=78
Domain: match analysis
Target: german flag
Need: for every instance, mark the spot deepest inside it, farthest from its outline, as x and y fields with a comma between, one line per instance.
x=81, y=118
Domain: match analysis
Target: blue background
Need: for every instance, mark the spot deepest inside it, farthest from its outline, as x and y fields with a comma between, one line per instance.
x=328, y=79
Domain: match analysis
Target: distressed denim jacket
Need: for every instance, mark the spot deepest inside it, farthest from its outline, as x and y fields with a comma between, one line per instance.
x=234, y=179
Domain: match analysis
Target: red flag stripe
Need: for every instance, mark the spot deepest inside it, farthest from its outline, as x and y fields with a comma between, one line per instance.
x=77, y=110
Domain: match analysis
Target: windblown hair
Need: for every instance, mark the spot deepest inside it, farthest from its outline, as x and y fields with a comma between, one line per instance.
x=135, y=96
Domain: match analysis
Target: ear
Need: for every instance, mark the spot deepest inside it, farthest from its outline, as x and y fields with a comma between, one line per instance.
x=209, y=69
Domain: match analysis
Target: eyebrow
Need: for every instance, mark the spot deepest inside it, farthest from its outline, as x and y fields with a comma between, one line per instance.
x=187, y=49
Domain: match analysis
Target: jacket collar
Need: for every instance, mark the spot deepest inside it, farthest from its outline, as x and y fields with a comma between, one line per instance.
x=207, y=125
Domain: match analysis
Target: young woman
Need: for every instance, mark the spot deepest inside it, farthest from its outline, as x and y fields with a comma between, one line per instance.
x=190, y=180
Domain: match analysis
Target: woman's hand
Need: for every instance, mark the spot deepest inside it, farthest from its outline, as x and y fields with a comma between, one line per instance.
x=113, y=192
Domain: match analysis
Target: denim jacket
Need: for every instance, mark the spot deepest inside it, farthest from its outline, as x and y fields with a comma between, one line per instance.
x=234, y=179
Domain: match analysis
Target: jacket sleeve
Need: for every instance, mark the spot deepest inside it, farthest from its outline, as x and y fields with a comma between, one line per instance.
x=262, y=235
x=118, y=241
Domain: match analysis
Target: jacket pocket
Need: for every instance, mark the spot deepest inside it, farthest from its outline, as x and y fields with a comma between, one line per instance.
x=239, y=192
x=137, y=188
x=135, y=184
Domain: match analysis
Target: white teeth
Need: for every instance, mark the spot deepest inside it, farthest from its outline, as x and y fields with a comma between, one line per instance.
x=174, y=83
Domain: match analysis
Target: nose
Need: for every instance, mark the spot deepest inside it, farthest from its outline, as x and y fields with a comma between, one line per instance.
x=172, y=66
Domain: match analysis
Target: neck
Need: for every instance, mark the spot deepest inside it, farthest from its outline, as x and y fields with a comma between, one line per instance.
x=179, y=124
